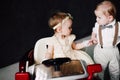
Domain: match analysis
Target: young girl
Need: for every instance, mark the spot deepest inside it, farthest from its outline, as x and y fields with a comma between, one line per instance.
x=61, y=44
x=106, y=34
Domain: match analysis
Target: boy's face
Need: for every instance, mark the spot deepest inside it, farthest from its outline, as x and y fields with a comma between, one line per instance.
x=67, y=27
x=101, y=18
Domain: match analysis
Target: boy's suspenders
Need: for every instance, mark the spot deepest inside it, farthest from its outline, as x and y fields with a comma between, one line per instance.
x=115, y=35
x=100, y=36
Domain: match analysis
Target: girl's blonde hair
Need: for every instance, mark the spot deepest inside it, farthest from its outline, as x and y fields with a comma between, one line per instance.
x=107, y=7
x=57, y=18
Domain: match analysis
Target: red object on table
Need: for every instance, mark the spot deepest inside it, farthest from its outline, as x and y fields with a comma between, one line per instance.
x=22, y=76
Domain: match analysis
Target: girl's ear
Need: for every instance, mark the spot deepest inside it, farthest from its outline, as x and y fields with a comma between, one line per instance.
x=59, y=29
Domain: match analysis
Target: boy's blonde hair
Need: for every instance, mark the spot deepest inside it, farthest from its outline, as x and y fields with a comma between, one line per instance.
x=57, y=18
x=107, y=7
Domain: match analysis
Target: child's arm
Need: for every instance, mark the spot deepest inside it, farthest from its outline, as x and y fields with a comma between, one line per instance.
x=93, y=38
x=81, y=45
x=77, y=46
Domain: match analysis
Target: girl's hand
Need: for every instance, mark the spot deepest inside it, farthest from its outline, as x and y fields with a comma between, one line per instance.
x=93, y=41
x=87, y=43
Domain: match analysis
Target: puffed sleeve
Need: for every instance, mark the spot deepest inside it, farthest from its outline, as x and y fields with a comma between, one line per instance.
x=95, y=28
x=71, y=38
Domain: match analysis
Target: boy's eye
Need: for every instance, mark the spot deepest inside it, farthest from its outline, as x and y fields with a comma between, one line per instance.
x=70, y=27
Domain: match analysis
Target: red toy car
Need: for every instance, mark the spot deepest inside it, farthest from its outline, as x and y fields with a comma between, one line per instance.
x=36, y=56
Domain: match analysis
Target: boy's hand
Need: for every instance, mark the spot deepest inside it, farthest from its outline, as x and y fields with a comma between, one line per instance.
x=90, y=42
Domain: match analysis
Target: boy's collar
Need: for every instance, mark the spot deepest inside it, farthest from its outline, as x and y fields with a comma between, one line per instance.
x=112, y=23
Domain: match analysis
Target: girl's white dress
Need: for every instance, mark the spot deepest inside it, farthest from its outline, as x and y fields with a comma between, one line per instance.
x=63, y=48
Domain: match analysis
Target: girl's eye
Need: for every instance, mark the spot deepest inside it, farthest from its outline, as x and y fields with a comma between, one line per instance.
x=99, y=17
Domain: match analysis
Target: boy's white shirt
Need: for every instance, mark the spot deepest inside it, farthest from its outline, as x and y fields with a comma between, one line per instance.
x=107, y=34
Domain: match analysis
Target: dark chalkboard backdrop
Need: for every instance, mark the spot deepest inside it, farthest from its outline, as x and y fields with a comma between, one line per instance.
x=23, y=22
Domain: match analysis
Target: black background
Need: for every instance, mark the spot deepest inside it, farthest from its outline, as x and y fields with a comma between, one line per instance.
x=23, y=22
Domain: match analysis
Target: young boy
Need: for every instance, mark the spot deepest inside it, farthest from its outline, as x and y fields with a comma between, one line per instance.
x=106, y=34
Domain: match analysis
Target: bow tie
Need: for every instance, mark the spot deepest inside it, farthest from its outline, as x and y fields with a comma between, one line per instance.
x=109, y=26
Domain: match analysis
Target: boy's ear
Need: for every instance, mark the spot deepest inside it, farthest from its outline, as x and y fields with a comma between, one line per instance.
x=111, y=18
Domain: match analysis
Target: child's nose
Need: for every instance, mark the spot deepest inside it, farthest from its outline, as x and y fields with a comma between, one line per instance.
x=96, y=19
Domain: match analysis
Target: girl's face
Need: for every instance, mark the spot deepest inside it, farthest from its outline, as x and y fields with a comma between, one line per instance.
x=67, y=27
x=101, y=18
